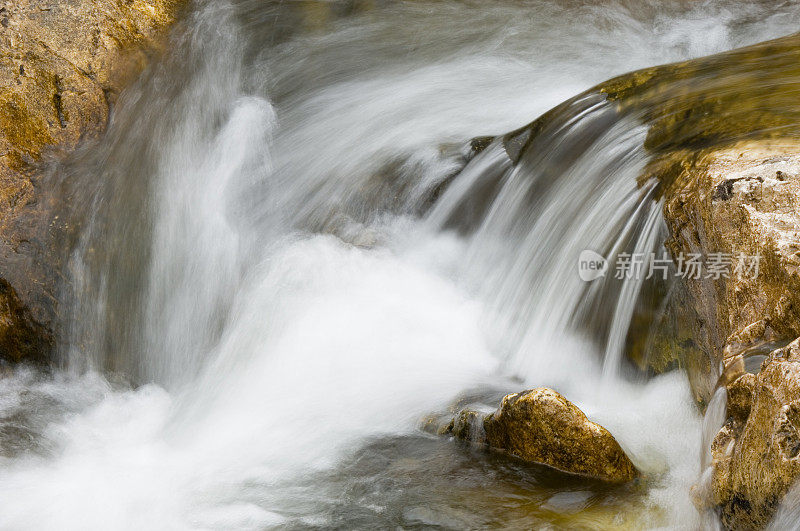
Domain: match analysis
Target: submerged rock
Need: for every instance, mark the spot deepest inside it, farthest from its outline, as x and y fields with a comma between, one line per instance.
x=541, y=426
x=61, y=66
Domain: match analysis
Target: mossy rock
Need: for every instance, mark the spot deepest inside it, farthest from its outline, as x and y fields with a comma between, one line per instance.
x=60, y=69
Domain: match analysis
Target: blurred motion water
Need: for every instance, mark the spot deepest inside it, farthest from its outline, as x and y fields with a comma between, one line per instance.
x=287, y=254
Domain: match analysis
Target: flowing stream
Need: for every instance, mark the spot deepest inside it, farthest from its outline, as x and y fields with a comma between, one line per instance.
x=286, y=255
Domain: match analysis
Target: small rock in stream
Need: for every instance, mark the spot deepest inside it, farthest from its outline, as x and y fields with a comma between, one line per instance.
x=541, y=426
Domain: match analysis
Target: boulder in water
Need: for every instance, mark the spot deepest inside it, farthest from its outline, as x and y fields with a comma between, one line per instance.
x=741, y=200
x=541, y=426
x=756, y=455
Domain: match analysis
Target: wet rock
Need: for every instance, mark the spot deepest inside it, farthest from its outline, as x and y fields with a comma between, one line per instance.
x=742, y=200
x=710, y=121
x=754, y=222
x=541, y=426
x=740, y=397
x=21, y=337
x=61, y=67
x=711, y=102
x=725, y=155
x=468, y=426
x=464, y=424
x=757, y=454
x=437, y=424
x=722, y=142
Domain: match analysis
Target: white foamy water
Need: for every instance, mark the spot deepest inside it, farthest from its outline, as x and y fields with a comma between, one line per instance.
x=259, y=296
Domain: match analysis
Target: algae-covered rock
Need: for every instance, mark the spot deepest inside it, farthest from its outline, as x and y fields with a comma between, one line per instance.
x=61, y=66
x=696, y=105
x=741, y=202
x=757, y=453
x=541, y=426
x=717, y=100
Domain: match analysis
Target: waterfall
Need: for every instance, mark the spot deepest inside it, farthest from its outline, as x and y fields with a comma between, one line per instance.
x=575, y=190
x=288, y=253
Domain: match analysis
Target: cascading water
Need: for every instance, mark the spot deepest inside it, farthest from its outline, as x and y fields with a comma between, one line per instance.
x=283, y=264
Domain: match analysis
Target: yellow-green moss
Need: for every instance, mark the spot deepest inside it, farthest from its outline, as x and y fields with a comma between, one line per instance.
x=23, y=129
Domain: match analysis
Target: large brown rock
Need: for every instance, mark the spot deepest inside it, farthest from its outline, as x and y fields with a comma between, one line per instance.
x=541, y=426
x=744, y=199
x=725, y=150
x=61, y=65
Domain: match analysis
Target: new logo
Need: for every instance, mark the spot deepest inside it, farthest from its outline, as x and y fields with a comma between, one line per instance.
x=591, y=266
